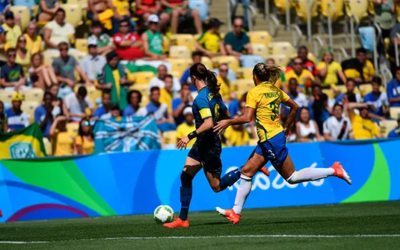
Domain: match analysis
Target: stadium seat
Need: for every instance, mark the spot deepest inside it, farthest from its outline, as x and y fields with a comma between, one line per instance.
x=180, y=52
x=248, y=61
x=341, y=88
x=282, y=5
x=242, y=85
x=186, y=40
x=26, y=3
x=284, y=48
x=33, y=95
x=260, y=49
x=93, y=93
x=29, y=109
x=395, y=112
x=49, y=56
x=145, y=101
x=245, y=73
x=232, y=62
x=334, y=14
x=179, y=64
x=301, y=9
x=142, y=88
x=6, y=96
x=207, y=62
x=387, y=126
x=365, y=89
x=82, y=3
x=280, y=59
x=24, y=13
x=73, y=14
x=358, y=8
x=73, y=128
x=81, y=45
x=143, y=77
x=47, y=145
x=260, y=37
x=169, y=137
x=79, y=55
x=329, y=93
x=175, y=74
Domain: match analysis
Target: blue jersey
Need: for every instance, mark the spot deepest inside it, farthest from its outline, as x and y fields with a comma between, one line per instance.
x=205, y=106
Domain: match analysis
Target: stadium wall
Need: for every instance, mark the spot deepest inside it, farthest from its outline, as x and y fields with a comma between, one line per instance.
x=136, y=183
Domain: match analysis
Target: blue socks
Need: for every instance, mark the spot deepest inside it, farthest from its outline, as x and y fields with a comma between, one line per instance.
x=186, y=194
x=229, y=179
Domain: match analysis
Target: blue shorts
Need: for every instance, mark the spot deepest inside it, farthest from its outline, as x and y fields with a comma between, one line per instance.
x=274, y=149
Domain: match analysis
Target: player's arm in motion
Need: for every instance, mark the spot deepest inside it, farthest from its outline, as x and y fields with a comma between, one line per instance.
x=207, y=125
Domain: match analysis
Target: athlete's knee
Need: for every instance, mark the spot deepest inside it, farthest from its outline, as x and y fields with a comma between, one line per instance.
x=292, y=178
x=248, y=172
x=215, y=187
x=186, y=179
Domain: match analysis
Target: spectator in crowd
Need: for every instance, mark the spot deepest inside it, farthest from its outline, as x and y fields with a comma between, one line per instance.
x=320, y=108
x=79, y=104
x=64, y=141
x=307, y=64
x=395, y=133
x=378, y=101
x=3, y=119
x=64, y=67
x=187, y=126
x=338, y=127
x=84, y=142
x=363, y=126
x=41, y=75
x=306, y=129
x=360, y=69
x=16, y=118
x=103, y=111
x=329, y=71
x=180, y=103
x=393, y=89
x=210, y=42
x=100, y=11
x=34, y=42
x=12, y=29
x=179, y=8
x=145, y=8
x=134, y=99
x=236, y=135
x=281, y=80
x=23, y=56
x=167, y=93
x=57, y=101
x=12, y=75
x=384, y=10
x=351, y=87
x=58, y=31
x=158, y=81
x=153, y=40
x=185, y=78
x=160, y=112
x=298, y=97
x=116, y=79
x=303, y=76
x=115, y=112
x=4, y=6
x=47, y=10
x=237, y=42
x=46, y=113
x=128, y=44
x=104, y=41
x=222, y=78
x=93, y=63
x=121, y=11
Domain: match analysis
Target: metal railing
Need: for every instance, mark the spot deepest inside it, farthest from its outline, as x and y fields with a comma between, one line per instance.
x=297, y=35
x=318, y=41
x=309, y=8
x=386, y=73
x=287, y=14
x=330, y=7
x=352, y=33
x=375, y=39
x=396, y=48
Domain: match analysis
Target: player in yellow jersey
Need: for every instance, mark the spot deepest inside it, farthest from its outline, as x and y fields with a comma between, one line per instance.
x=262, y=104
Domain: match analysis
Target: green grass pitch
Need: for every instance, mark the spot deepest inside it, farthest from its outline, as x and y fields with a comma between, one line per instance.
x=344, y=226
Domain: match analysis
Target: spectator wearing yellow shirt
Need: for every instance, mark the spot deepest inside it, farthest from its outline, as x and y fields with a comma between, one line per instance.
x=23, y=56
x=236, y=135
x=360, y=69
x=222, y=78
x=303, y=76
x=363, y=126
x=329, y=71
x=84, y=142
x=167, y=93
x=63, y=140
x=34, y=42
x=121, y=11
x=12, y=29
x=210, y=42
x=187, y=127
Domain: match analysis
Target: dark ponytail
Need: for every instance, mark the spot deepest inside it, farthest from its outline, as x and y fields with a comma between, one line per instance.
x=202, y=73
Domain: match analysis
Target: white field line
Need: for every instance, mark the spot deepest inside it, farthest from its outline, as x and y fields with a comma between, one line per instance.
x=215, y=237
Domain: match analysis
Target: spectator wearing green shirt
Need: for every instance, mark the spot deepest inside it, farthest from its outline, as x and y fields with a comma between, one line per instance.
x=153, y=40
x=237, y=42
x=104, y=42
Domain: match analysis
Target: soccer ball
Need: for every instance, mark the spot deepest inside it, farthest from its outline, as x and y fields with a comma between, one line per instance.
x=163, y=214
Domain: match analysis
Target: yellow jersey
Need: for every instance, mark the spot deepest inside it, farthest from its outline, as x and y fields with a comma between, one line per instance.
x=301, y=79
x=33, y=45
x=87, y=146
x=210, y=41
x=183, y=130
x=266, y=100
x=363, y=128
x=64, y=144
x=237, y=137
x=225, y=90
x=368, y=71
x=331, y=78
x=166, y=97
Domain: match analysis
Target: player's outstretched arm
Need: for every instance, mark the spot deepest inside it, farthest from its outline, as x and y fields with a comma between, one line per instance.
x=245, y=118
x=207, y=125
x=292, y=114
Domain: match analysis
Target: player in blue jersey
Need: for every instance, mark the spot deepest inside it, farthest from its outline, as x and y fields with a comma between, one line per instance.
x=208, y=109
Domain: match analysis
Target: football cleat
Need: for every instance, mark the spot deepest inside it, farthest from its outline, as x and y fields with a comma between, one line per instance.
x=265, y=170
x=177, y=223
x=340, y=172
x=229, y=214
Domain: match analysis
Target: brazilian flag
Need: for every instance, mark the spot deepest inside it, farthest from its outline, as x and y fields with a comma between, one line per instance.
x=22, y=144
